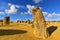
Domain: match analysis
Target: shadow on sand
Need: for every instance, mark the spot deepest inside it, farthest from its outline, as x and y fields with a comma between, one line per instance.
x=51, y=29
x=11, y=32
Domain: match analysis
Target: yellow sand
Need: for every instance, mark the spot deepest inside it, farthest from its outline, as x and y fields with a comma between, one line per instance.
x=29, y=35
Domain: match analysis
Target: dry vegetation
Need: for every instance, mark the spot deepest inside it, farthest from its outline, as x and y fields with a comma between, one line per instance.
x=24, y=31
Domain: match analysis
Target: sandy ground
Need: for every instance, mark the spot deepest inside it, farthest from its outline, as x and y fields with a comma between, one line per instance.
x=17, y=32
x=25, y=32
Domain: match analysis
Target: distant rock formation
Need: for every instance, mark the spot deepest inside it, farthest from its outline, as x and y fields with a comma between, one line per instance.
x=39, y=23
x=6, y=21
x=1, y=22
x=27, y=21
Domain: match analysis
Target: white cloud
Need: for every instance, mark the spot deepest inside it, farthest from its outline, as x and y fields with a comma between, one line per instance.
x=55, y=14
x=2, y=13
x=50, y=15
x=23, y=13
x=11, y=10
x=45, y=13
x=29, y=7
x=37, y=1
x=29, y=11
x=9, y=4
x=17, y=6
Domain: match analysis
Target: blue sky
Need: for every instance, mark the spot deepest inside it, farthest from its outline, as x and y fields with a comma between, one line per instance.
x=21, y=9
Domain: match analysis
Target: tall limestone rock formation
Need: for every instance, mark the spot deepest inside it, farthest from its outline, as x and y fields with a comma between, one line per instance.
x=39, y=23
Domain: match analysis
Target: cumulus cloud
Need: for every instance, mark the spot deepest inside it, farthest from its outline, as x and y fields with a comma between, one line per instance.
x=29, y=10
x=54, y=15
x=37, y=1
x=29, y=7
x=13, y=9
x=50, y=15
